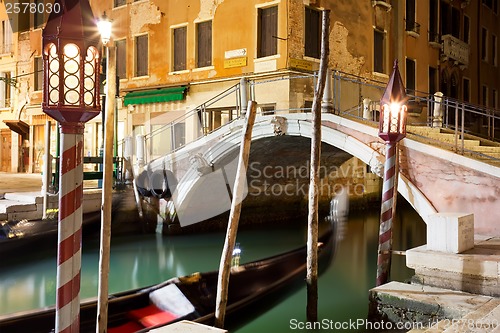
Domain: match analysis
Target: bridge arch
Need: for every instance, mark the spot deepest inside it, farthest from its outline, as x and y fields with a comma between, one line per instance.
x=219, y=156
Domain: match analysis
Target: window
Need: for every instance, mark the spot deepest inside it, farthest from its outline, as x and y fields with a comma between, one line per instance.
x=5, y=89
x=180, y=35
x=378, y=52
x=267, y=109
x=179, y=135
x=312, y=38
x=38, y=17
x=6, y=46
x=466, y=93
x=433, y=22
x=38, y=73
x=445, y=19
x=204, y=44
x=267, y=32
x=119, y=3
x=494, y=50
x=466, y=34
x=411, y=24
x=485, y=96
x=484, y=44
x=455, y=22
x=121, y=58
x=410, y=75
x=432, y=80
x=495, y=99
x=491, y=4
x=141, y=55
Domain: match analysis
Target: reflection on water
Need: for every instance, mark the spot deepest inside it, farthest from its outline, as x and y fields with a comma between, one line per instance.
x=28, y=282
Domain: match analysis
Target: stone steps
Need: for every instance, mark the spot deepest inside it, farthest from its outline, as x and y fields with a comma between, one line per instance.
x=484, y=319
x=424, y=308
x=473, y=144
x=434, y=310
x=29, y=205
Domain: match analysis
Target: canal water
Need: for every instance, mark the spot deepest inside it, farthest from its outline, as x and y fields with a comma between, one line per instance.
x=28, y=281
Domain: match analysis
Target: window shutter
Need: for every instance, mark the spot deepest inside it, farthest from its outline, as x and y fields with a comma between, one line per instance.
x=204, y=56
x=121, y=58
x=268, y=31
x=180, y=49
x=141, y=55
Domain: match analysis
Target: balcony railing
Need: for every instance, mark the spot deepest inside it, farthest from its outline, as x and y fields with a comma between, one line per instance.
x=413, y=27
x=386, y=4
x=455, y=49
x=434, y=38
x=6, y=48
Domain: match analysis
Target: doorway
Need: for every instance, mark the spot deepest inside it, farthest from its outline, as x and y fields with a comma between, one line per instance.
x=5, y=153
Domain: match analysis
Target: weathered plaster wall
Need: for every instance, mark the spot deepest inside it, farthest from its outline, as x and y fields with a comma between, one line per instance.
x=452, y=187
x=341, y=57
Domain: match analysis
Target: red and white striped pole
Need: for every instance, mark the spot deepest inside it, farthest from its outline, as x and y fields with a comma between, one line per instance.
x=71, y=43
x=392, y=128
x=386, y=214
x=70, y=229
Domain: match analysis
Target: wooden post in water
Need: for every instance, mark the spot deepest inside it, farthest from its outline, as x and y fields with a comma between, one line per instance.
x=234, y=217
x=312, y=221
x=107, y=194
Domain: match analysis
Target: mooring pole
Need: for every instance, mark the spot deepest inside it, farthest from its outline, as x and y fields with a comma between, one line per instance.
x=392, y=128
x=312, y=220
x=107, y=193
x=386, y=215
x=234, y=217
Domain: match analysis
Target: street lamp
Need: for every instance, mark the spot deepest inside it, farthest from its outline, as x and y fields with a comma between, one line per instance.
x=107, y=188
x=392, y=128
x=104, y=25
x=71, y=96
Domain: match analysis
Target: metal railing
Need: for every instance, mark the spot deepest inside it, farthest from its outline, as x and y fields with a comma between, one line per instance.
x=353, y=96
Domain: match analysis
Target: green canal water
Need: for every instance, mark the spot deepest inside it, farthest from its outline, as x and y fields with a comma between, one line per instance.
x=29, y=281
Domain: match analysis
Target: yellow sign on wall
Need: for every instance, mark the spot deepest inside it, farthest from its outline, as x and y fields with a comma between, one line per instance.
x=300, y=64
x=235, y=62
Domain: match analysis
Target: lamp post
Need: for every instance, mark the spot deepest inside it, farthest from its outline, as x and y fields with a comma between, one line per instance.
x=70, y=96
x=107, y=188
x=392, y=128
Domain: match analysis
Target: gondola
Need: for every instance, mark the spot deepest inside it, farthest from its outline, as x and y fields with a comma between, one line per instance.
x=252, y=287
x=26, y=235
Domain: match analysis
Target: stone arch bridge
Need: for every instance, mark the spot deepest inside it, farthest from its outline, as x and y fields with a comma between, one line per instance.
x=432, y=179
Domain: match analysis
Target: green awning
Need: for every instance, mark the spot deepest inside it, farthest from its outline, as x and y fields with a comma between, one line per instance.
x=155, y=96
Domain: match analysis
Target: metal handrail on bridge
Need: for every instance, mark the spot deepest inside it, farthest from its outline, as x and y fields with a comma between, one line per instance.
x=349, y=93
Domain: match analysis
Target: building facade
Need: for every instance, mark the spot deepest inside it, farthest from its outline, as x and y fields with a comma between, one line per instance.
x=174, y=55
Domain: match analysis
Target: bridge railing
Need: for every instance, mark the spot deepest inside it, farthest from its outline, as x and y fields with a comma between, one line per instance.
x=360, y=97
x=184, y=129
x=353, y=95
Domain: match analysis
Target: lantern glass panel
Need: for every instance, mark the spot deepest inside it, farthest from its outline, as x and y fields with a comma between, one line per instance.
x=385, y=124
x=53, y=72
x=71, y=74
x=402, y=119
x=89, y=70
